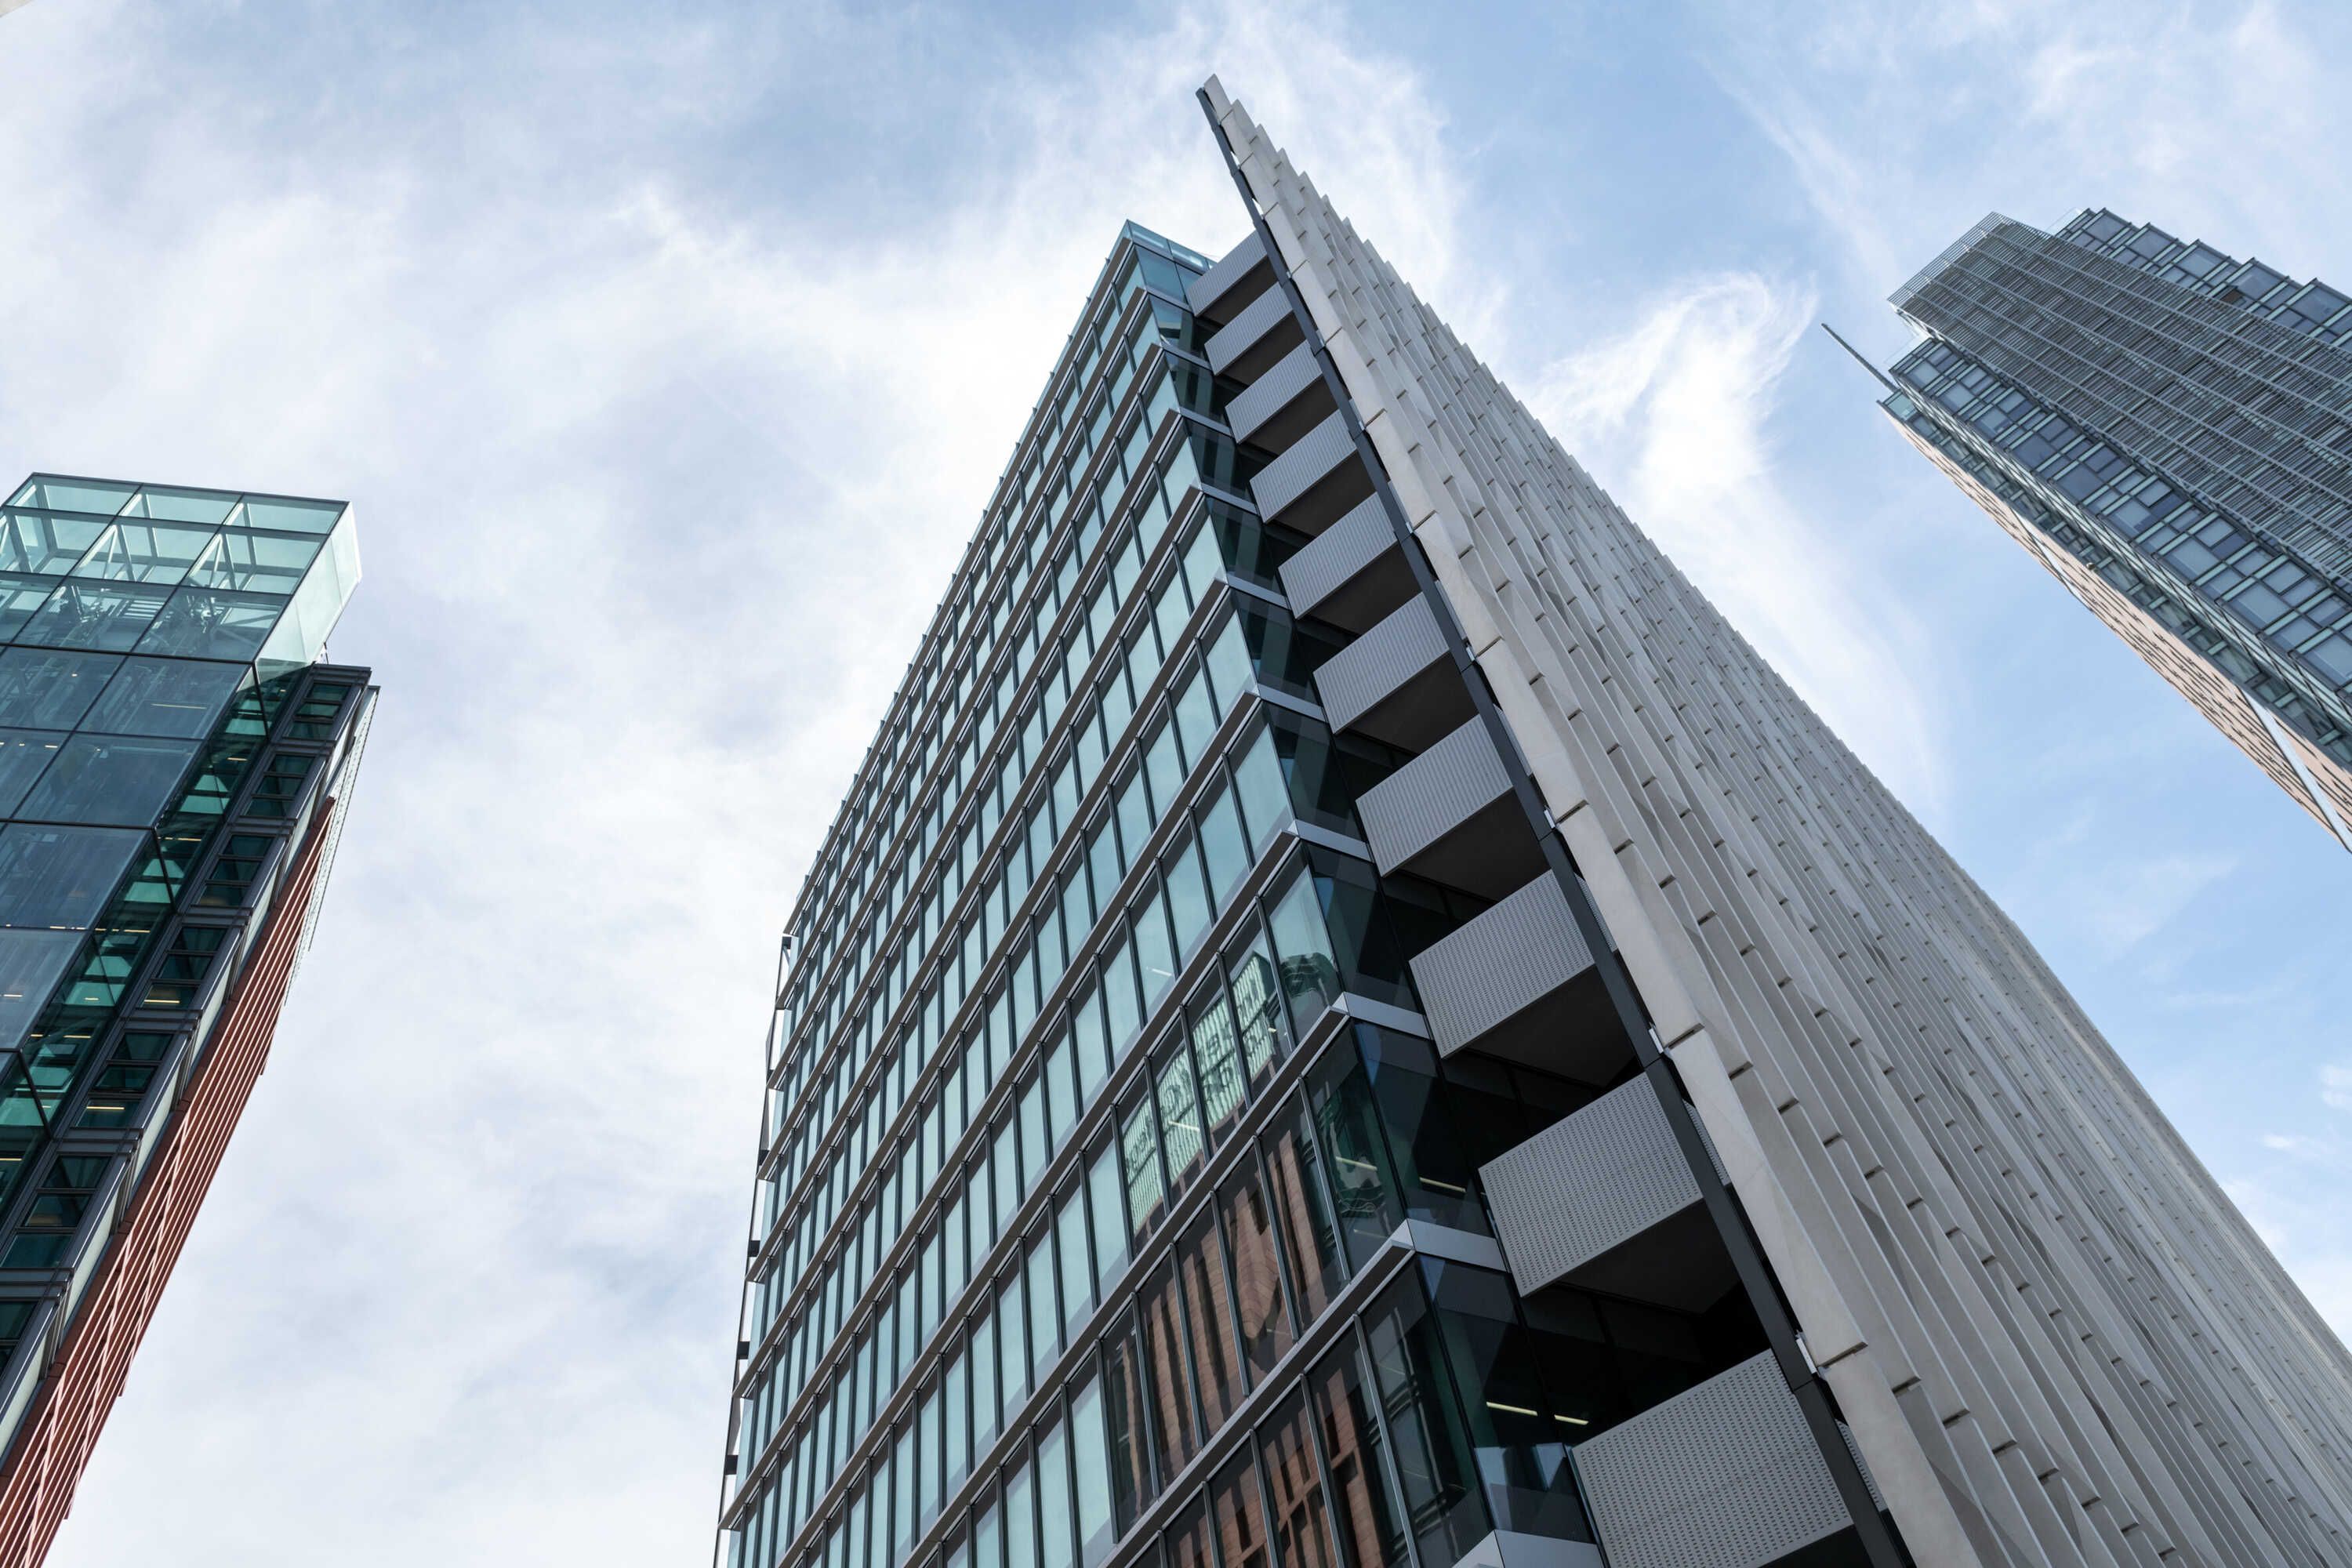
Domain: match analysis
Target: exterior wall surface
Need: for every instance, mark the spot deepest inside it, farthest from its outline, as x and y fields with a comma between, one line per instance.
x=2053, y=1338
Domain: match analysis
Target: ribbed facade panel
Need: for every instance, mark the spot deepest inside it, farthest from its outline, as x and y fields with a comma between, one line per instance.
x=1238, y=336
x=1431, y=796
x=1723, y=1476
x=1337, y=554
x=1291, y=375
x=1499, y=964
x=1307, y=464
x=1366, y=671
x=1203, y=292
x=2053, y=1337
x=1585, y=1184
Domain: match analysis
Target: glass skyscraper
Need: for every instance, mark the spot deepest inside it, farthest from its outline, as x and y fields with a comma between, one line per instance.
x=176, y=756
x=1347, y=1020
x=2168, y=430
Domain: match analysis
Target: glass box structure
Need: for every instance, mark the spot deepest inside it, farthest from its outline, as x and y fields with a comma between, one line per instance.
x=1348, y=1021
x=175, y=758
x=2169, y=431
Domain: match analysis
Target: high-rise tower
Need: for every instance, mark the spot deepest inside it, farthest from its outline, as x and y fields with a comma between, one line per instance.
x=175, y=761
x=2169, y=431
x=1349, y=1019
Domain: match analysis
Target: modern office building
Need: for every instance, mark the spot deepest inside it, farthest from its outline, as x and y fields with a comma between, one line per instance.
x=175, y=761
x=1348, y=1020
x=2169, y=432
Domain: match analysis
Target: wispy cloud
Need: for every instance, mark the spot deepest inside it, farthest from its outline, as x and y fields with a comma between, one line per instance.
x=1673, y=414
x=666, y=405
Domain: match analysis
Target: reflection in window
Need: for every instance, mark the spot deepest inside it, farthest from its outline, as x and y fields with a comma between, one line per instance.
x=31, y=964
x=23, y=754
x=172, y=697
x=110, y=780
x=1372, y=1535
x=60, y=876
x=41, y=689
x=1294, y=1487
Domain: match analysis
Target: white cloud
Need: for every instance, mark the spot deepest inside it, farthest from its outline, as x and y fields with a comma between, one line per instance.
x=660, y=472
x=2336, y=1086
x=1672, y=414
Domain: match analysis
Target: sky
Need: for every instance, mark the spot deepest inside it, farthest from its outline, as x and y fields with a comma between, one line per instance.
x=669, y=354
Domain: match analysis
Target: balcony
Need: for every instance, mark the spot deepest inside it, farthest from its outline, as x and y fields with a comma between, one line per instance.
x=1449, y=815
x=1395, y=682
x=1605, y=1201
x=1352, y=573
x=1317, y=481
x=1517, y=982
x=1723, y=1475
x=1260, y=334
x=1290, y=399
x=1223, y=290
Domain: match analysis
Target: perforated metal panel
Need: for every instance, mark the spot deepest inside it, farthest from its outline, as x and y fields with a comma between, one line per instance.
x=1297, y=471
x=1337, y=554
x=1586, y=1185
x=1256, y=318
x=1288, y=376
x=1353, y=681
x=1210, y=287
x=1432, y=795
x=1724, y=1475
x=1504, y=961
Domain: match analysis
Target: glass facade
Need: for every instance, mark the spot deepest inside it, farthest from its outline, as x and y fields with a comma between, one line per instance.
x=1104, y=1141
x=2173, y=424
x=168, y=734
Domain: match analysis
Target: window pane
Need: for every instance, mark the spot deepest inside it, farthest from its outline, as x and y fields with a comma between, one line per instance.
x=1302, y=1214
x=1434, y=1463
x=1293, y=1486
x=53, y=877
x=1310, y=975
x=1191, y=1543
x=24, y=753
x=1257, y=1003
x=1370, y=1534
x=45, y=690
x=1054, y=1542
x=1020, y=1519
x=1127, y=1406
x=1164, y=1348
x=1180, y=1110
x=1091, y=1449
x=111, y=781
x=1108, y=1212
x=1216, y=1353
x=1263, y=1316
x=1076, y=1269
x=1238, y=1507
